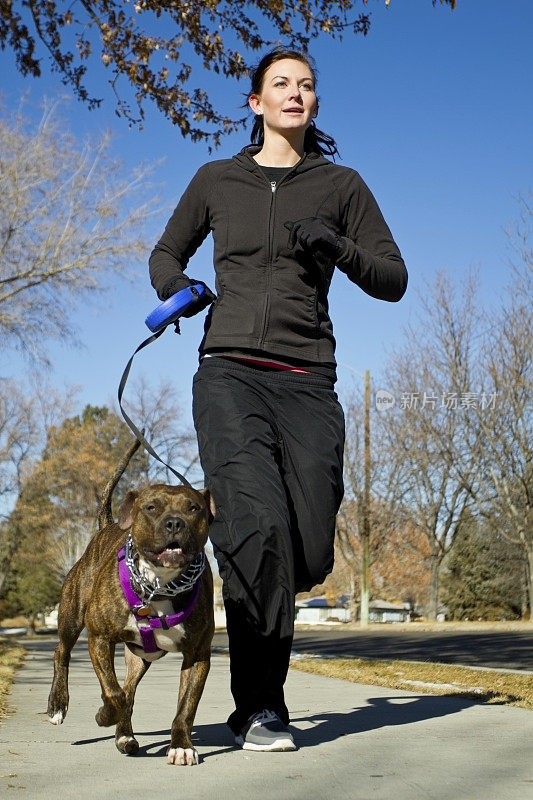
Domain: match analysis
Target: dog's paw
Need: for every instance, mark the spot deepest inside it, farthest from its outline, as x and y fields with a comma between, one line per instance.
x=127, y=745
x=57, y=718
x=184, y=757
x=106, y=716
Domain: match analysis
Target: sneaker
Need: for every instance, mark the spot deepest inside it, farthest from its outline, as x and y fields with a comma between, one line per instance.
x=265, y=731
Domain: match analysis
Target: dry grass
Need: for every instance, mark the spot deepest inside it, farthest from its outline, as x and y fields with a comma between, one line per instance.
x=14, y=622
x=11, y=657
x=485, y=686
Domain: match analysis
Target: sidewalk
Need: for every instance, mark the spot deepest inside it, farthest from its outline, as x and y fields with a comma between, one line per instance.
x=355, y=743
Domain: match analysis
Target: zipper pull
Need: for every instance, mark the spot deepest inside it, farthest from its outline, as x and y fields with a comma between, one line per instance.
x=273, y=185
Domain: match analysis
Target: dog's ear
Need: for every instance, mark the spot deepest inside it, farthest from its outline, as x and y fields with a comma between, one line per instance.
x=125, y=515
x=210, y=503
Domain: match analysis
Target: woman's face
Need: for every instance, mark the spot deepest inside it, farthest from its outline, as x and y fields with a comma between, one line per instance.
x=287, y=99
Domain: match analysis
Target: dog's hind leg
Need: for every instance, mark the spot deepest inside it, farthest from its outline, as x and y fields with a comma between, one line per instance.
x=135, y=669
x=70, y=625
x=102, y=652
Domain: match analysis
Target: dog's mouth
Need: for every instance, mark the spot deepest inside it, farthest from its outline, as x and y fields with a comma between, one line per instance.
x=172, y=555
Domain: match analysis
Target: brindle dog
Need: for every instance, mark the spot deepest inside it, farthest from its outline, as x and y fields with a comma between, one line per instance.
x=168, y=526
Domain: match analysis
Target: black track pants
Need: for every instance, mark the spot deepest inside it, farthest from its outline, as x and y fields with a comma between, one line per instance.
x=271, y=447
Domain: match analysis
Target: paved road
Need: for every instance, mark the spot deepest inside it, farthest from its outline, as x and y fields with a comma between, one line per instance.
x=355, y=743
x=499, y=649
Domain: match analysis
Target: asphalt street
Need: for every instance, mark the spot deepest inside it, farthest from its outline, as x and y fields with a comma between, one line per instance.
x=497, y=649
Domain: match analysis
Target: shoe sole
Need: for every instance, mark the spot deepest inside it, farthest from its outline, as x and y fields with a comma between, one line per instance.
x=277, y=746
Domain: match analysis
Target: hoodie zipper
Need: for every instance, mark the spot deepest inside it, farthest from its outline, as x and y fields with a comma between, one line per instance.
x=268, y=287
x=273, y=189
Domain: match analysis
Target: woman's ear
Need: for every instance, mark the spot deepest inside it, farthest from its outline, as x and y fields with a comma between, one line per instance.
x=255, y=103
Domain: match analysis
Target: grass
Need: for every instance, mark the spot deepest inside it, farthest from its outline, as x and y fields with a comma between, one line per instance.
x=11, y=657
x=484, y=686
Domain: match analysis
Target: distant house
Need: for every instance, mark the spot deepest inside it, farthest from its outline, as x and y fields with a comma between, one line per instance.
x=382, y=611
x=318, y=610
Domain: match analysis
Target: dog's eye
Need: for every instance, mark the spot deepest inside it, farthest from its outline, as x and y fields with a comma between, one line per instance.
x=195, y=507
x=150, y=508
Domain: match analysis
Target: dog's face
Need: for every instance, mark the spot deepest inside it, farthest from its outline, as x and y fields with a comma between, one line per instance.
x=169, y=524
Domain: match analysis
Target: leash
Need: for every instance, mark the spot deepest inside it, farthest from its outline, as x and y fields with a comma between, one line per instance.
x=187, y=302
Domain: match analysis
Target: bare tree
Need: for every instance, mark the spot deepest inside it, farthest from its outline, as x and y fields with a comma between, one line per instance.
x=25, y=413
x=54, y=466
x=152, y=48
x=157, y=410
x=381, y=513
x=500, y=424
x=19, y=436
x=425, y=431
x=26, y=410
x=68, y=223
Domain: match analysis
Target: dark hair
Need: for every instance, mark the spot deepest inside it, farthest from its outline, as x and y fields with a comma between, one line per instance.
x=315, y=140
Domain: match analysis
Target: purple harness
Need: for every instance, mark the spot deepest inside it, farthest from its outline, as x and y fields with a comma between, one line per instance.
x=146, y=623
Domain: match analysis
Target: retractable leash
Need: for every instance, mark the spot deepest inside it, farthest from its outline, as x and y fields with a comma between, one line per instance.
x=188, y=301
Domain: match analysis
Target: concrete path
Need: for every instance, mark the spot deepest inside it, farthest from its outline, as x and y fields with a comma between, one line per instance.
x=355, y=743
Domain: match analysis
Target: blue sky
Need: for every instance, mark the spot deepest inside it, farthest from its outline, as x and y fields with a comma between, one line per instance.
x=433, y=108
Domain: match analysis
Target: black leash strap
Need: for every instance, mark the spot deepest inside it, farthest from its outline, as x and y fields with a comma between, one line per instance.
x=131, y=424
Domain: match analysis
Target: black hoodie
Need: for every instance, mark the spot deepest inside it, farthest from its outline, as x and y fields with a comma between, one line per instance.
x=271, y=298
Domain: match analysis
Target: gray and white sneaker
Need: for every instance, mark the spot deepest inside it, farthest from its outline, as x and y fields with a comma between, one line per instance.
x=265, y=731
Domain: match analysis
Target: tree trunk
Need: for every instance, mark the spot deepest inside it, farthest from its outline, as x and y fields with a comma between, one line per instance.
x=434, y=587
x=353, y=601
x=365, y=588
x=5, y=567
x=365, y=534
x=529, y=577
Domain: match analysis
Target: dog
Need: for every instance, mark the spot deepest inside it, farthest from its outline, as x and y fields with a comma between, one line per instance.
x=123, y=589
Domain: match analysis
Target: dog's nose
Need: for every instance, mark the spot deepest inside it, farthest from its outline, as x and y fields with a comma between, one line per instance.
x=173, y=525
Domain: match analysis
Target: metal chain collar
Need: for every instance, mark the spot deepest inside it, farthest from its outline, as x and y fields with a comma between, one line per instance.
x=147, y=590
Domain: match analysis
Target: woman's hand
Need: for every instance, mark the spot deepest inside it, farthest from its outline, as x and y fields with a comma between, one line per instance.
x=315, y=236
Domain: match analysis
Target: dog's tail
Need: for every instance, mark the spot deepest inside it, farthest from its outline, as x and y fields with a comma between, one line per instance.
x=105, y=515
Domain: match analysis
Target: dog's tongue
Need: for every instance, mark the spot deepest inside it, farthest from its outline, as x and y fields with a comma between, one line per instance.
x=171, y=557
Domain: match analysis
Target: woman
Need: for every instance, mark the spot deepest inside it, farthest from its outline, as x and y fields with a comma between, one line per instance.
x=270, y=428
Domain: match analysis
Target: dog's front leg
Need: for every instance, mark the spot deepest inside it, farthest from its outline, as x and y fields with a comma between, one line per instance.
x=135, y=669
x=68, y=631
x=70, y=624
x=102, y=653
x=192, y=680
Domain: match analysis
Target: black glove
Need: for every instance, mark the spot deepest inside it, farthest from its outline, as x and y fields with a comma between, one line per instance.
x=175, y=285
x=202, y=302
x=182, y=282
x=315, y=236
